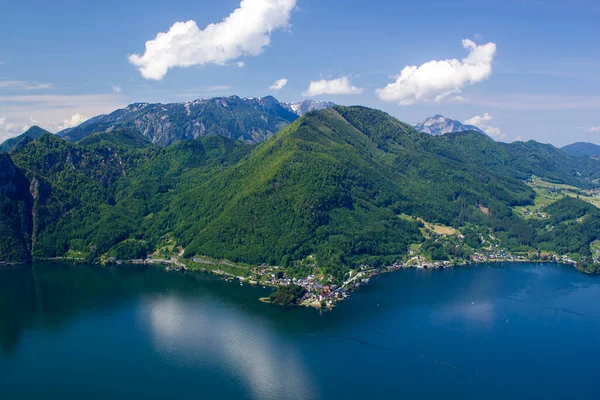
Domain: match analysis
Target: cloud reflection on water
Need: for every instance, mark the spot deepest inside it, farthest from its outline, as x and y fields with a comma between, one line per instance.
x=188, y=333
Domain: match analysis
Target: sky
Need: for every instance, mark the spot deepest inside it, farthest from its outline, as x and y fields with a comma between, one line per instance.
x=518, y=69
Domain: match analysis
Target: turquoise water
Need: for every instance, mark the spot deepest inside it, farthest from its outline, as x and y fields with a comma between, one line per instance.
x=501, y=331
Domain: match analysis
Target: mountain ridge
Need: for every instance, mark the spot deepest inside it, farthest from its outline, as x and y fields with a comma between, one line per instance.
x=440, y=125
x=582, y=149
x=302, y=107
x=336, y=188
x=250, y=120
x=32, y=133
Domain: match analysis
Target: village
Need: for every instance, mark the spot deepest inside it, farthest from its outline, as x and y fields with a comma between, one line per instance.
x=325, y=292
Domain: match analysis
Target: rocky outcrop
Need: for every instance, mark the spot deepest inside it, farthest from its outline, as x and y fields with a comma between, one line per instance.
x=250, y=120
x=440, y=125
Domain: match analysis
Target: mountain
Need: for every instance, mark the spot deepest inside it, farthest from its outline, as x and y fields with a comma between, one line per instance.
x=32, y=133
x=440, y=125
x=249, y=120
x=302, y=107
x=15, y=220
x=124, y=138
x=521, y=160
x=582, y=149
x=336, y=188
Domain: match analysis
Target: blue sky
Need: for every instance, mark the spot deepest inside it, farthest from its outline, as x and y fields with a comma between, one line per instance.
x=538, y=78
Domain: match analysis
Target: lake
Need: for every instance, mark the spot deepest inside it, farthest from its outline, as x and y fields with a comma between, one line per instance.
x=494, y=331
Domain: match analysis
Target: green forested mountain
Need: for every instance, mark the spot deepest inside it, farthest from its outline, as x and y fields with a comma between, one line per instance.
x=522, y=159
x=15, y=212
x=348, y=185
x=122, y=138
x=582, y=149
x=32, y=133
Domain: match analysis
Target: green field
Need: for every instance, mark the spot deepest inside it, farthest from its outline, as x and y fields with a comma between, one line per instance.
x=547, y=193
x=437, y=228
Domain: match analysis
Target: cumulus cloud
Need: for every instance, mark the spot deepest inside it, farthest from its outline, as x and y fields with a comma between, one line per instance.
x=14, y=127
x=8, y=129
x=72, y=122
x=116, y=88
x=334, y=86
x=29, y=124
x=441, y=80
x=482, y=122
x=50, y=111
x=278, y=84
x=245, y=32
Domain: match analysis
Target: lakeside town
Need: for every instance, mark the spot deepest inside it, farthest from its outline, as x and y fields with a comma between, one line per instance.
x=320, y=290
x=323, y=292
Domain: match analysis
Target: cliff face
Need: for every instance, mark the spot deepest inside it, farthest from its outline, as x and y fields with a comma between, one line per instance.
x=16, y=224
x=440, y=125
x=249, y=120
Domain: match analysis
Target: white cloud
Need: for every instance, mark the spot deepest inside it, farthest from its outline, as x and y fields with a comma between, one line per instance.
x=29, y=124
x=240, y=64
x=245, y=32
x=593, y=129
x=116, y=88
x=8, y=129
x=482, y=123
x=72, y=122
x=441, y=80
x=24, y=85
x=278, y=84
x=51, y=111
x=334, y=86
x=216, y=88
x=14, y=127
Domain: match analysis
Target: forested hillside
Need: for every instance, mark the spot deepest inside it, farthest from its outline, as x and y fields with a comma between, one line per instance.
x=341, y=187
x=582, y=149
x=32, y=133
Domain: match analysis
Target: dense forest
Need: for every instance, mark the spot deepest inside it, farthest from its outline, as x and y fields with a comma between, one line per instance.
x=336, y=185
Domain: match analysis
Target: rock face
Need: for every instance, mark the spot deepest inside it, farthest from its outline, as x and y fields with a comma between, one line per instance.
x=302, y=107
x=250, y=120
x=440, y=125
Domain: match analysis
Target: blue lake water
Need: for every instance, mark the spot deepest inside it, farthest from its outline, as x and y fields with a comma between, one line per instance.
x=498, y=331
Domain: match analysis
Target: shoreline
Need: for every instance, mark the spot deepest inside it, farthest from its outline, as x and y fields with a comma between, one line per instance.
x=329, y=296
